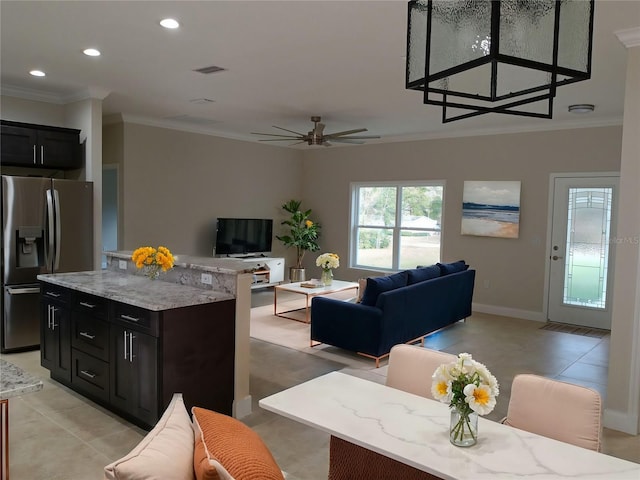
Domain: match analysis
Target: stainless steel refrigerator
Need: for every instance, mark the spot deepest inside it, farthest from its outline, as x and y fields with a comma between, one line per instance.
x=47, y=227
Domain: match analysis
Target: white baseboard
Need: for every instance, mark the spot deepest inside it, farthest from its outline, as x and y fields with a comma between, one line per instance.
x=242, y=407
x=509, y=312
x=620, y=421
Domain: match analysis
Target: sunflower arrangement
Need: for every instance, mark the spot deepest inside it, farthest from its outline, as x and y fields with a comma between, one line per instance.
x=153, y=260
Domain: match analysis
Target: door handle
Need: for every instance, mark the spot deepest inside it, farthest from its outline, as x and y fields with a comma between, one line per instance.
x=88, y=305
x=41, y=154
x=125, y=345
x=87, y=335
x=34, y=155
x=20, y=291
x=556, y=257
x=88, y=374
x=131, y=347
x=56, y=261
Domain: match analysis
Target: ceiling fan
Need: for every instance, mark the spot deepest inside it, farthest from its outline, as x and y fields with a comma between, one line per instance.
x=316, y=136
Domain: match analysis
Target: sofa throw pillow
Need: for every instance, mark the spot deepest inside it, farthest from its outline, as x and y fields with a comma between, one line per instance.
x=165, y=453
x=378, y=285
x=362, y=285
x=454, y=267
x=422, y=273
x=227, y=449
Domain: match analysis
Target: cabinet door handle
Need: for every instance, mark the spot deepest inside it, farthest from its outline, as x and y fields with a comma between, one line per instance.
x=130, y=318
x=49, y=317
x=131, y=347
x=87, y=335
x=88, y=305
x=41, y=154
x=53, y=317
x=88, y=374
x=125, y=344
x=53, y=294
x=34, y=154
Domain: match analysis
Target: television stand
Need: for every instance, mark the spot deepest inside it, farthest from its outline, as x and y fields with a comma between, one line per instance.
x=267, y=271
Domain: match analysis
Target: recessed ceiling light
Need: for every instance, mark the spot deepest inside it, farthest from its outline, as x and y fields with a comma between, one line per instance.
x=169, y=23
x=92, y=52
x=37, y=73
x=581, y=108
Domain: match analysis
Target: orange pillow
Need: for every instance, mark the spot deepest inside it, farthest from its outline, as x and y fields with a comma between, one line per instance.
x=226, y=449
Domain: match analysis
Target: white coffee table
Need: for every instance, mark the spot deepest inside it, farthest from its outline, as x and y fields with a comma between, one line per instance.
x=335, y=287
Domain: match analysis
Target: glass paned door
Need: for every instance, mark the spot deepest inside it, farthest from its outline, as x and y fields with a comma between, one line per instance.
x=581, y=259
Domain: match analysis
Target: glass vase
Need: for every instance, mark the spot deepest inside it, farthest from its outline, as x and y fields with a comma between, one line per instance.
x=463, y=430
x=153, y=271
x=327, y=277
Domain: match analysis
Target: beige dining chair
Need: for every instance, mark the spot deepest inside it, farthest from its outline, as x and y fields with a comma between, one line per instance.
x=555, y=409
x=410, y=369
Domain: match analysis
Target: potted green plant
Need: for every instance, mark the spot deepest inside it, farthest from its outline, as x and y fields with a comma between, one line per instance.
x=303, y=235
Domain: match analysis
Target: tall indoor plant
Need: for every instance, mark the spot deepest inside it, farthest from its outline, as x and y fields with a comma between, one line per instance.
x=303, y=235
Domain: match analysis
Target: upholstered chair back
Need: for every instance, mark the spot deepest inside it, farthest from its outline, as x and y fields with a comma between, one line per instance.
x=411, y=368
x=559, y=410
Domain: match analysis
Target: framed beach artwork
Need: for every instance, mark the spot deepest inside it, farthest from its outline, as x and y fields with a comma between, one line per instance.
x=491, y=209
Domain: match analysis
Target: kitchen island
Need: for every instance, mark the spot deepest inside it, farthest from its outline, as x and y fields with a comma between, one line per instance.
x=129, y=343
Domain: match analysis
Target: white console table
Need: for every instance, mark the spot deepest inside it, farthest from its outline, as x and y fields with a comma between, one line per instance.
x=269, y=271
x=415, y=430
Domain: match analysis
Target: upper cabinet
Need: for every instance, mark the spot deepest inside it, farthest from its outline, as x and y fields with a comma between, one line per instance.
x=39, y=146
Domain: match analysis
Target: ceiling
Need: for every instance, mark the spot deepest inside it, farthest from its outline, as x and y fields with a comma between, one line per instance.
x=284, y=61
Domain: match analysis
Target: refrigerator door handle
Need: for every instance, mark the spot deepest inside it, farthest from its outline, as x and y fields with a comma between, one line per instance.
x=56, y=263
x=49, y=252
x=20, y=291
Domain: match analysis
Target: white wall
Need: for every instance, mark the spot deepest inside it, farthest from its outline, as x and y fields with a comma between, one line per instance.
x=528, y=157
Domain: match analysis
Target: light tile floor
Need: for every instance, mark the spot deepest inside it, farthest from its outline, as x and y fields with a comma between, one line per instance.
x=56, y=434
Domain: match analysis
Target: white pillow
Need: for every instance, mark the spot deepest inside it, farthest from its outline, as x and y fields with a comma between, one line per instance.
x=165, y=453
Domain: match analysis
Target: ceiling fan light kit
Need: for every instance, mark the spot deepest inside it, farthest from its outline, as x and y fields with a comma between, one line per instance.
x=317, y=135
x=509, y=56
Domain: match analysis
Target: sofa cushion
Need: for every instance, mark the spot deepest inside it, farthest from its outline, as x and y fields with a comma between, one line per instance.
x=378, y=285
x=227, y=449
x=166, y=452
x=454, y=267
x=422, y=273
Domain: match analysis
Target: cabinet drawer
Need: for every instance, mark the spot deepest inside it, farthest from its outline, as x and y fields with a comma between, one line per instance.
x=90, y=304
x=90, y=335
x=55, y=292
x=90, y=375
x=137, y=318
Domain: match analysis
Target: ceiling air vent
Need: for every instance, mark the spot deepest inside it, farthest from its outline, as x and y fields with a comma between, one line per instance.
x=211, y=69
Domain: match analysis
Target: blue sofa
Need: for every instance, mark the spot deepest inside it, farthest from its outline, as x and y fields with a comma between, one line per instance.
x=399, y=308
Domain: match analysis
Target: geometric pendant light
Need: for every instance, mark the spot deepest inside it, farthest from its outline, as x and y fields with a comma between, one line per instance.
x=473, y=57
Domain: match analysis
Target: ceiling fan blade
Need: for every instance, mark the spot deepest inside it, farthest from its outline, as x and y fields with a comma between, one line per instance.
x=284, y=139
x=346, y=140
x=346, y=132
x=357, y=137
x=290, y=131
x=274, y=135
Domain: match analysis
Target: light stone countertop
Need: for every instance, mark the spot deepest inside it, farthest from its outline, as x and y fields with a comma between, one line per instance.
x=229, y=265
x=14, y=381
x=137, y=290
x=415, y=430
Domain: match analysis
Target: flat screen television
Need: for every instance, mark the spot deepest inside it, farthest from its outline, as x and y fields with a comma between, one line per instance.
x=243, y=236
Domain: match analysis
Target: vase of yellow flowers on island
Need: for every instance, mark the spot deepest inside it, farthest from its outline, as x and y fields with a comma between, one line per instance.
x=327, y=261
x=470, y=390
x=153, y=260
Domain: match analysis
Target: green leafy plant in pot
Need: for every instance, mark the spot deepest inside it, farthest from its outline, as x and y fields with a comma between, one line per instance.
x=303, y=235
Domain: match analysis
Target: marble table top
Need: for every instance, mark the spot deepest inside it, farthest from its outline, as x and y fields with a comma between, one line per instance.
x=154, y=295
x=415, y=430
x=14, y=381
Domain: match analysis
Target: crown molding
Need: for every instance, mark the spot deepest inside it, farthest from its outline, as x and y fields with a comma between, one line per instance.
x=98, y=93
x=31, y=94
x=630, y=37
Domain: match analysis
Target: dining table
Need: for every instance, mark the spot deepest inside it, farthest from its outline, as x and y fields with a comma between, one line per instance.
x=414, y=430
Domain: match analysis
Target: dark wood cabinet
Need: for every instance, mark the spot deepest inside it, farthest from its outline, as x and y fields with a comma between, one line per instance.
x=134, y=368
x=55, y=343
x=132, y=360
x=39, y=146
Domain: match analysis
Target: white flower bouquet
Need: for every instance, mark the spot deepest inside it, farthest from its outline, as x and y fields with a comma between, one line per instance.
x=468, y=387
x=328, y=261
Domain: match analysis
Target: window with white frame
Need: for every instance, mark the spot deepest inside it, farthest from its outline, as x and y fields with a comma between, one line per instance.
x=395, y=225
